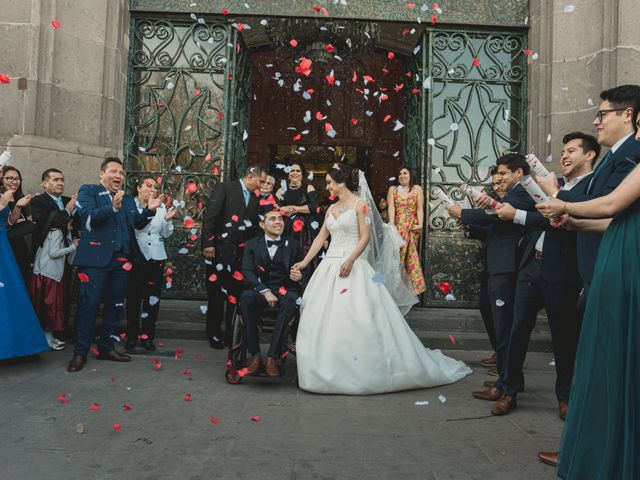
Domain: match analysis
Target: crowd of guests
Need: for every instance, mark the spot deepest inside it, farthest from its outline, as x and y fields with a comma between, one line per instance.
x=540, y=253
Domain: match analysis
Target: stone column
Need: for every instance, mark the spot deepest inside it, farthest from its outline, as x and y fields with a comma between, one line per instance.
x=583, y=50
x=64, y=107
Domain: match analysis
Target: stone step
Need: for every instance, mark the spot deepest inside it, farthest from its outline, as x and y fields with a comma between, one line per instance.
x=183, y=319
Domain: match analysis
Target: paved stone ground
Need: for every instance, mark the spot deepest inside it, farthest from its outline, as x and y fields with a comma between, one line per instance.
x=299, y=436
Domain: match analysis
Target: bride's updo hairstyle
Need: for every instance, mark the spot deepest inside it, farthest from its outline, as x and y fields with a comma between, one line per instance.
x=343, y=173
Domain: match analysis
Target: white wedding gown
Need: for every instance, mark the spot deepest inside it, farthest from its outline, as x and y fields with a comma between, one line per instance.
x=352, y=338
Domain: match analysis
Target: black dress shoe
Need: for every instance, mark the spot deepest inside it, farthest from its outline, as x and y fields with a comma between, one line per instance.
x=215, y=342
x=130, y=345
x=114, y=357
x=77, y=363
x=148, y=345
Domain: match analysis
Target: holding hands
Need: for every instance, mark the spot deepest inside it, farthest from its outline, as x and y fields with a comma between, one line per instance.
x=295, y=274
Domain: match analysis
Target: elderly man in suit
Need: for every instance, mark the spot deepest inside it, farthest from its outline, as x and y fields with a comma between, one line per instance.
x=230, y=219
x=549, y=277
x=505, y=243
x=107, y=249
x=270, y=281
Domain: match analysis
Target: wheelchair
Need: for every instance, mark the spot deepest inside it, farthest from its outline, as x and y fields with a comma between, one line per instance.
x=237, y=355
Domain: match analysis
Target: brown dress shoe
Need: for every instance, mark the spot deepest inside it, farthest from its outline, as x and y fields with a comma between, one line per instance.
x=488, y=384
x=77, y=363
x=254, y=365
x=504, y=405
x=492, y=394
x=493, y=372
x=114, y=356
x=550, y=458
x=563, y=409
x=489, y=362
x=271, y=367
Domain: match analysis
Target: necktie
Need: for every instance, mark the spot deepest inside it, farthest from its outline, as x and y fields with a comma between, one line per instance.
x=604, y=161
x=271, y=243
x=58, y=201
x=246, y=197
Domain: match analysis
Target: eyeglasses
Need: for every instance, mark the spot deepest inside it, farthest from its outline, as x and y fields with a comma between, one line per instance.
x=600, y=113
x=12, y=179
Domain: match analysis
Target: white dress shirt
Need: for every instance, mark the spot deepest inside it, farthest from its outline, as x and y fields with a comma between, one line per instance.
x=271, y=249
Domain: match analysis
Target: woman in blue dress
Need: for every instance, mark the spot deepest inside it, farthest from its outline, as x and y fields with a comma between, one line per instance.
x=601, y=438
x=20, y=331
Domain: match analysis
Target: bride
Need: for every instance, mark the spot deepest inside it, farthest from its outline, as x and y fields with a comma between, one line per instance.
x=352, y=337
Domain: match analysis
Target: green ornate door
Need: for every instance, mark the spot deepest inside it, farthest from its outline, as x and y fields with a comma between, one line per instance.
x=187, y=116
x=473, y=109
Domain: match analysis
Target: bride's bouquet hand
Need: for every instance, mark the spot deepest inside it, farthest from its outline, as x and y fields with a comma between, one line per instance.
x=345, y=268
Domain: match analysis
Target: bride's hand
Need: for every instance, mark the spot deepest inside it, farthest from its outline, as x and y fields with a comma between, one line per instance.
x=299, y=266
x=345, y=268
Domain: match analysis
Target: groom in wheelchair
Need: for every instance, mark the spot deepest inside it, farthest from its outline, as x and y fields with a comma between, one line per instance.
x=270, y=284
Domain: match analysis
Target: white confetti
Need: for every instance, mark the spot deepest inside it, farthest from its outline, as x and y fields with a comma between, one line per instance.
x=548, y=138
x=398, y=126
x=569, y=8
x=144, y=315
x=552, y=363
x=421, y=403
x=87, y=225
x=153, y=300
x=499, y=303
x=590, y=102
x=315, y=225
x=549, y=159
x=219, y=267
x=432, y=142
x=442, y=398
x=453, y=127
x=245, y=135
x=427, y=83
x=450, y=297
x=203, y=309
x=183, y=251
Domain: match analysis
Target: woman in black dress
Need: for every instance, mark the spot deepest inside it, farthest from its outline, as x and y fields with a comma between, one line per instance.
x=299, y=203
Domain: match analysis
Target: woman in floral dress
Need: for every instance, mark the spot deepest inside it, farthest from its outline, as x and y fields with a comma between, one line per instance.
x=406, y=211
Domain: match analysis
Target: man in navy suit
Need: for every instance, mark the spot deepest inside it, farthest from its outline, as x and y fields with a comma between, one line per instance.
x=270, y=281
x=505, y=243
x=615, y=130
x=230, y=219
x=548, y=277
x=107, y=248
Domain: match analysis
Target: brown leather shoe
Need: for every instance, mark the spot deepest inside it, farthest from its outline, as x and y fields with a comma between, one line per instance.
x=271, y=367
x=504, y=405
x=550, y=458
x=254, y=365
x=563, y=409
x=488, y=384
x=492, y=394
x=489, y=362
x=114, y=356
x=493, y=372
x=77, y=363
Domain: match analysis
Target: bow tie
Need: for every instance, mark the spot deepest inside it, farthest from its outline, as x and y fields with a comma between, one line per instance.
x=271, y=243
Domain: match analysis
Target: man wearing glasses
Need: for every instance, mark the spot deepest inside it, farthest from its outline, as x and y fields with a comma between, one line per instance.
x=614, y=129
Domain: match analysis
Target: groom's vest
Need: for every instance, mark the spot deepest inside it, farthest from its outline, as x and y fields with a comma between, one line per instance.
x=276, y=273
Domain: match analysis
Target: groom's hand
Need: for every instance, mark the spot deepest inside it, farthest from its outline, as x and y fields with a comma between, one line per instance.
x=271, y=298
x=295, y=275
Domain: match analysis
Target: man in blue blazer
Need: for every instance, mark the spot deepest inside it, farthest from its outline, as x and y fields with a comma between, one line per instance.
x=107, y=248
x=505, y=243
x=615, y=130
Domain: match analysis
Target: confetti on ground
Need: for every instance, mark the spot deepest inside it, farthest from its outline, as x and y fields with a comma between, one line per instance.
x=95, y=407
x=214, y=420
x=442, y=398
x=63, y=398
x=422, y=402
x=187, y=397
x=127, y=406
x=256, y=418
x=117, y=427
x=452, y=339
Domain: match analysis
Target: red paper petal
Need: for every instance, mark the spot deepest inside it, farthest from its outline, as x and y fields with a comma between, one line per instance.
x=343, y=290
x=238, y=276
x=5, y=78
x=55, y=24
x=243, y=372
x=117, y=427
x=144, y=336
x=434, y=19
x=127, y=406
x=231, y=299
x=354, y=121
x=83, y=277
x=527, y=52
x=63, y=398
x=411, y=6
x=192, y=187
x=282, y=291
x=391, y=55
x=127, y=266
x=452, y=339
x=330, y=48
x=235, y=218
x=213, y=277
x=386, y=118
x=297, y=137
x=95, y=407
x=293, y=42
x=445, y=287
x=224, y=11
x=476, y=62
x=179, y=353
x=187, y=397
x=285, y=354
x=298, y=224
x=95, y=351
x=214, y=420
x=256, y=418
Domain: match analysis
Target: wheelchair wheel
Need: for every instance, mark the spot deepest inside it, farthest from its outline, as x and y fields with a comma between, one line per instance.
x=237, y=355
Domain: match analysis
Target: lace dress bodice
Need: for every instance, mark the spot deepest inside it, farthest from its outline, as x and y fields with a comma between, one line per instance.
x=345, y=233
